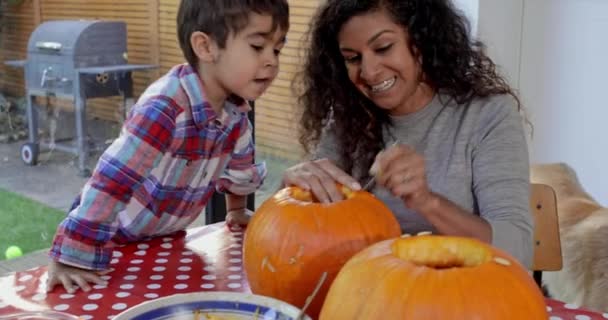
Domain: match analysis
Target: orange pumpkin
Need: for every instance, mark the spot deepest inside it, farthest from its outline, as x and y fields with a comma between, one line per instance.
x=433, y=277
x=292, y=241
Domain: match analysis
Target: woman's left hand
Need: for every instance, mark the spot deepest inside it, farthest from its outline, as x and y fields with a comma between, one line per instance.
x=401, y=170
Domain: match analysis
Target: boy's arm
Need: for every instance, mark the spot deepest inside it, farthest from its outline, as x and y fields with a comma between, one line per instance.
x=242, y=176
x=235, y=202
x=81, y=239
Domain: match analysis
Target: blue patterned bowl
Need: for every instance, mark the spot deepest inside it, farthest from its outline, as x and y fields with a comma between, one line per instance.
x=212, y=306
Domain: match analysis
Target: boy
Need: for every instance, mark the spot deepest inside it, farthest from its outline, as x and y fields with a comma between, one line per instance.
x=187, y=136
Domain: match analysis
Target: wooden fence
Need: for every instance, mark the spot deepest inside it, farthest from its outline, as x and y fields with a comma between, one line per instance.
x=152, y=39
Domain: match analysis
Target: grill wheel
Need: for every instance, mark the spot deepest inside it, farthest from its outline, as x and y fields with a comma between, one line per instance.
x=29, y=154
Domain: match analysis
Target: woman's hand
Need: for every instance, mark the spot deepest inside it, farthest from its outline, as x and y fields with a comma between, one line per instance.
x=402, y=171
x=320, y=177
x=72, y=278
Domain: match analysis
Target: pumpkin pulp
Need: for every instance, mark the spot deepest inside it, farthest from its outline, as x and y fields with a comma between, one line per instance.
x=441, y=252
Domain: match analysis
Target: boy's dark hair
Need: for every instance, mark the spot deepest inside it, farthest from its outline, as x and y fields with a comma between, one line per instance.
x=219, y=18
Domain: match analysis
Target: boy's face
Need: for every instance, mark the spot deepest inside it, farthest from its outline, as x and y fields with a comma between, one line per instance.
x=250, y=60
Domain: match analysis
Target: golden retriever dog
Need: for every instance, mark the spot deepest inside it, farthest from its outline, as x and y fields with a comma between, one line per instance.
x=583, y=225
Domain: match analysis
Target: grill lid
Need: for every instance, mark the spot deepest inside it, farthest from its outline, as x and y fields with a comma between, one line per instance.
x=63, y=36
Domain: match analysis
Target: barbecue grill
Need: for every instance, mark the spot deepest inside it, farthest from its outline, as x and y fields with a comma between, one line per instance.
x=75, y=60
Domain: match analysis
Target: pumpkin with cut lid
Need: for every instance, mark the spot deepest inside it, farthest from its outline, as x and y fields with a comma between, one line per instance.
x=433, y=277
x=293, y=241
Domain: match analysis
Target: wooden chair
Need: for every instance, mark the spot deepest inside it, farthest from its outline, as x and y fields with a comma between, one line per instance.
x=547, y=250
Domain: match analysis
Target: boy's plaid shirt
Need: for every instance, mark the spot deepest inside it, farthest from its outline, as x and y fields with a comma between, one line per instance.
x=173, y=152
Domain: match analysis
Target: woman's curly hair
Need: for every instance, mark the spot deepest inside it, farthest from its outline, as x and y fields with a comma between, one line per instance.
x=452, y=64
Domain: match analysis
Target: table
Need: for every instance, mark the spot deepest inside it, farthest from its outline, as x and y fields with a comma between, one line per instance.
x=202, y=259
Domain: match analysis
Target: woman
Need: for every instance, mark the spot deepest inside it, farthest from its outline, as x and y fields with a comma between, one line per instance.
x=396, y=90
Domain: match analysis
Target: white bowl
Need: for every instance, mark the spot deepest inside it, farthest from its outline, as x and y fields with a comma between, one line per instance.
x=212, y=305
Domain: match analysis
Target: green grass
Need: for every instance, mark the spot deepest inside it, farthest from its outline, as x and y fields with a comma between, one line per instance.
x=26, y=223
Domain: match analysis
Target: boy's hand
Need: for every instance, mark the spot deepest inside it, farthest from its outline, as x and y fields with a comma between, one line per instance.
x=72, y=278
x=238, y=217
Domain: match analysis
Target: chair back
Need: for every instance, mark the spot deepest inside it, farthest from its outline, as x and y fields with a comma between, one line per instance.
x=547, y=249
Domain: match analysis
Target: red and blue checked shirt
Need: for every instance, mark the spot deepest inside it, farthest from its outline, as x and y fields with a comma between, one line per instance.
x=173, y=152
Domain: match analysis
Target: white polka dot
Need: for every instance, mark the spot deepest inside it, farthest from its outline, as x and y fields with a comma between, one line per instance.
x=61, y=307
x=25, y=278
x=140, y=253
x=66, y=296
x=208, y=286
x=235, y=277
x=86, y=317
x=187, y=253
x=167, y=239
x=164, y=254
x=19, y=288
x=126, y=286
x=555, y=318
x=235, y=245
x=142, y=246
x=122, y=294
x=184, y=268
x=134, y=269
x=151, y=295
x=234, y=268
x=605, y=315
x=156, y=277
x=106, y=277
x=114, y=261
x=137, y=261
x=180, y=286
x=234, y=285
x=582, y=317
x=161, y=261
x=235, y=260
x=571, y=306
x=130, y=277
x=235, y=253
x=185, y=260
x=119, y=306
x=159, y=269
x=95, y=296
x=182, y=277
x=39, y=296
x=99, y=286
x=166, y=246
x=90, y=307
x=209, y=268
x=549, y=309
x=153, y=286
x=116, y=254
x=209, y=277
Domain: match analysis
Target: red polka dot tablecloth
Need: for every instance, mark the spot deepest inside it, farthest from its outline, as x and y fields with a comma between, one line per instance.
x=202, y=259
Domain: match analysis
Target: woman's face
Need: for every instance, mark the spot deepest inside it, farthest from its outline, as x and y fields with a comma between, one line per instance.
x=381, y=65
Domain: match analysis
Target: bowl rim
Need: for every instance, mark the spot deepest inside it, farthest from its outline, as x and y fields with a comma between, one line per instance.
x=185, y=298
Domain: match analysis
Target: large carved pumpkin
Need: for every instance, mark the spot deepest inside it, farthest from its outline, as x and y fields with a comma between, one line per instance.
x=433, y=277
x=292, y=241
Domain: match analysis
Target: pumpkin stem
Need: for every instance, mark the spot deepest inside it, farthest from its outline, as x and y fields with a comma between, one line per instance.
x=441, y=251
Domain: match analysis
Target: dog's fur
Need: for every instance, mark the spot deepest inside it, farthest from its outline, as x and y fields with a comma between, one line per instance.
x=583, y=225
